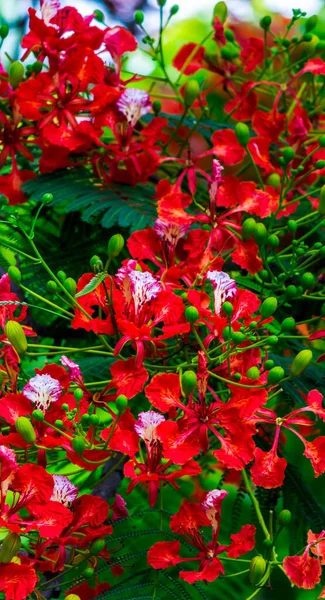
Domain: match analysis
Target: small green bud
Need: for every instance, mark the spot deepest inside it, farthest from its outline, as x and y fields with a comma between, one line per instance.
x=4, y=30
x=307, y=37
x=59, y=423
x=284, y=517
x=156, y=107
x=61, y=276
x=46, y=198
x=308, y=280
x=89, y=571
x=253, y=373
x=16, y=74
x=221, y=11
x=311, y=23
x=78, y=445
x=288, y=324
x=37, y=67
x=94, y=420
x=229, y=51
x=97, y=546
x=38, y=415
x=72, y=597
x=292, y=226
x=16, y=336
x=10, y=546
x=78, y=394
x=268, y=307
x=272, y=340
x=85, y=419
x=121, y=403
x=238, y=337
x=320, y=164
x=227, y=333
x=138, y=17
x=321, y=140
x=265, y=22
x=70, y=285
x=191, y=314
x=275, y=375
x=321, y=205
x=115, y=245
x=174, y=10
x=242, y=133
x=264, y=275
x=26, y=430
x=229, y=35
x=188, y=383
x=52, y=286
x=191, y=92
x=99, y=16
x=291, y=291
x=268, y=543
x=257, y=569
x=260, y=234
x=269, y=364
x=273, y=241
x=65, y=407
x=249, y=228
x=227, y=308
x=301, y=362
x=14, y=274
x=288, y=154
x=237, y=376
x=274, y=180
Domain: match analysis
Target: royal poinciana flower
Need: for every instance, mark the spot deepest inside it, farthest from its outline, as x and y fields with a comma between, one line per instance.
x=42, y=390
x=133, y=104
x=154, y=471
x=188, y=523
x=305, y=571
x=224, y=288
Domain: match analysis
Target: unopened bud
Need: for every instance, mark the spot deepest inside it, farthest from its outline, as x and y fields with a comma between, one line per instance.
x=257, y=569
x=174, y=10
x=121, y=403
x=16, y=74
x=115, y=245
x=284, y=517
x=26, y=430
x=188, y=382
x=78, y=445
x=260, y=234
x=253, y=373
x=138, y=17
x=268, y=307
x=97, y=546
x=10, y=546
x=14, y=274
x=191, y=314
x=265, y=22
x=220, y=10
x=242, y=133
x=275, y=375
x=301, y=362
x=4, y=30
x=249, y=228
x=99, y=16
x=70, y=285
x=16, y=336
x=191, y=92
x=156, y=107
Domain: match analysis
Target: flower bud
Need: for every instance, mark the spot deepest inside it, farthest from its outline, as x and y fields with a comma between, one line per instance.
x=273, y=241
x=138, y=17
x=72, y=597
x=269, y=364
x=38, y=415
x=248, y=228
x=4, y=30
x=25, y=428
x=191, y=92
x=253, y=373
x=10, y=547
x=257, y=569
x=99, y=16
x=121, y=403
x=229, y=35
x=265, y=22
x=94, y=420
x=288, y=324
x=78, y=445
x=115, y=245
x=311, y=23
x=227, y=308
x=37, y=66
x=16, y=74
x=174, y=10
x=14, y=274
x=275, y=375
x=88, y=572
x=321, y=204
x=272, y=340
x=70, y=285
x=301, y=362
x=288, y=154
x=227, y=333
x=78, y=394
x=284, y=517
x=188, y=383
x=320, y=164
x=291, y=291
x=307, y=280
x=242, y=133
x=238, y=337
x=268, y=307
x=16, y=336
x=61, y=276
x=191, y=314
x=46, y=198
x=292, y=226
x=274, y=180
x=260, y=234
x=220, y=10
x=97, y=546
x=156, y=107
x=229, y=52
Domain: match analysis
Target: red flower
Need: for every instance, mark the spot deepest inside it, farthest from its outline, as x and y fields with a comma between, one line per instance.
x=252, y=53
x=17, y=581
x=303, y=571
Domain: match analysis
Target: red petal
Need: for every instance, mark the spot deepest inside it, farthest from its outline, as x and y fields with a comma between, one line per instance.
x=164, y=554
x=303, y=571
x=242, y=542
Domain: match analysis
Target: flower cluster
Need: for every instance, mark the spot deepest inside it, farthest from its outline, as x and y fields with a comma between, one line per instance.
x=192, y=357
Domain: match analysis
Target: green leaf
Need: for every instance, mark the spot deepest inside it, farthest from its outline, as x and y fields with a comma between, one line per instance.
x=92, y=285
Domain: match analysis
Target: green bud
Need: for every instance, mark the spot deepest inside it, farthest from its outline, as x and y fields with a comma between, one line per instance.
x=292, y=226
x=14, y=274
x=220, y=10
x=188, y=383
x=288, y=324
x=78, y=445
x=320, y=164
x=272, y=340
x=52, y=286
x=115, y=245
x=301, y=362
x=65, y=407
x=26, y=430
x=4, y=30
x=70, y=285
x=268, y=307
x=37, y=67
x=260, y=234
x=288, y=154
x=321, y=205
x=156, y=107
x=274, y=180
x=138, y=17
x=46, y=198
x=264, y=275
x=275, y=375
x=121, y=403
x=227, y=308
x=269, y=364
x=257, y=569
x=291, y=292
x=10, y=546
x=94, y=420
x=227, y=333
x=16, y=336
x=99, y=16
x=78, y=394
x=284, y=517
x=253, y=373
x=307, y=37
x=191, y=314
x=242, y=133
x=72, y=597
x=16, y=74
x=191, y=92
x=89, y=571
x=268, y=543
x=59, y=423
x=97, y=546
x=308, y=280
x=38, y=415
x=311, y=23
x=61, y=276
x=321, y=140
x=174, y=10
x=265, y=22
x=237, y=376
x=273, y=241
x=238, y=337
x=229, y=35
x=248, y=228
x=229, y=52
